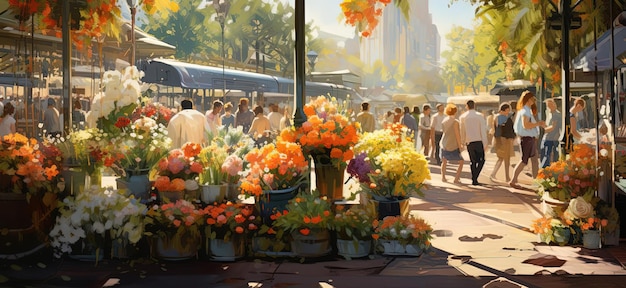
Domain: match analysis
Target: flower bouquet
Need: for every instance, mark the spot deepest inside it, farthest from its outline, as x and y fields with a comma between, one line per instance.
x=178, y=171
x=402, y=235
x=308, y=217
x=566, y=179
x=153, y=110
x=551, y=230
x=389, y=169
x=212, y=158
x=86, y=149
x=174, y=229
x=354, y=230
x=94, y=216
x=228, y=226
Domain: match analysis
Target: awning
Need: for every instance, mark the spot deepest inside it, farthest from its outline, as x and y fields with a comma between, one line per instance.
x=586, y=60
x=509, y=87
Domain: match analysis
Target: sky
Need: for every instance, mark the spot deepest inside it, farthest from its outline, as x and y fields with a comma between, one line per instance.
x=326, y=13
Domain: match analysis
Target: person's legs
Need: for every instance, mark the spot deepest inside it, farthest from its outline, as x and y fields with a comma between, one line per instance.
x=507, y=168
x=481, y=159
x=457, y=178
x=496, y=167
x=472, y=150
x=444, y=162
x=526, y=145
x=545, y=153
x=437, y=147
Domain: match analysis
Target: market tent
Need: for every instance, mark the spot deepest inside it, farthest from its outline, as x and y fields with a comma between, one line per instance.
x=600, y=55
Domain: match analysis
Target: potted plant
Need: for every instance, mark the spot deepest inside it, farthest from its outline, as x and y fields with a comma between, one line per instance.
x=308, y=218
x=273, y=174
x=389, y=169
x=178, y=172
x=212, y=178
x=327, y=137
x=581, y=216
x=174, y=229
x=551, y=230
x=402, y=235
x=237, y=145
x=229, y=225
x=90, y=219
x=354, y=230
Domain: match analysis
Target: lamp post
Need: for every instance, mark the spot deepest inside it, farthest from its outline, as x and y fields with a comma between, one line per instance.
x=221, y=9
x=312, y=56
x=132, y=4
x=256, y=27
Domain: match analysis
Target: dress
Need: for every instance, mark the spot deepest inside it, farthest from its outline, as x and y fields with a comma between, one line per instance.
x=449, y=144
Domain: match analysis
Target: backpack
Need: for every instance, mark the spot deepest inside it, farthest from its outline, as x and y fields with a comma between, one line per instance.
x=507, y=129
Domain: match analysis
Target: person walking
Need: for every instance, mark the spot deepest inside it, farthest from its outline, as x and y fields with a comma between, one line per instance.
x=397, y=116
x=274, y=116
x=409, y=121
x=451, y=144
x=368, y=123
x=51, y=122
x=188, y=125
x=228, y=119
x=7, y=122
x=424, y=127
x=260, y=128
x=213, y=117
x=503, y=142
x=474, y=136
x=436, y=131
x=579, y=105
x=550, y=141
x=243, y=116
x=78, y=116
x=527, y=128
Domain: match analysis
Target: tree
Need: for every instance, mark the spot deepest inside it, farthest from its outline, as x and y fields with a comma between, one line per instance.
x=462, y=57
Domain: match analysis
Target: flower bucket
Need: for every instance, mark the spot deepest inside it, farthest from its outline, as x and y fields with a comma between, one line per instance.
x=274, y=200
x=136, y=184
x=213, y=193
x=353, y=248
x=271, y=246
x=329, y=180
x=395, y=248
x=94, y=178
x=84, y=250
x=232, y=193
x=391, y=207
x=21, y=237
x=561, y=236
x=591, y=239
x=171, y=196
x=611, y=239
x=316, y=244
x=164, y=248
x=74, y=179
x=227, y=250
x=548, y=204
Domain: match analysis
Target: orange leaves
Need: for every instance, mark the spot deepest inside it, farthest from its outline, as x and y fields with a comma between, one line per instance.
x=363, y=14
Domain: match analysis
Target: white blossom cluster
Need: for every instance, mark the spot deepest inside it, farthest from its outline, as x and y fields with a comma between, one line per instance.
x=120, y=89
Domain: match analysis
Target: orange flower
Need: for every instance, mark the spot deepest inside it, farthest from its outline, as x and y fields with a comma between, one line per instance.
x=305, y=231
x=316, y=219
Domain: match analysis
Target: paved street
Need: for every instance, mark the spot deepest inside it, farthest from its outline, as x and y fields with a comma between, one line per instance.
x=481, y=236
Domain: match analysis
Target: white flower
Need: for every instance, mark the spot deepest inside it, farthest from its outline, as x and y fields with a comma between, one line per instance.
x=191, y=185
x=579, y=208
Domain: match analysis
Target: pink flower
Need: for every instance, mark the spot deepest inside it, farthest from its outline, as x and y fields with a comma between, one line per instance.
x=232, y=165
x=176, y=165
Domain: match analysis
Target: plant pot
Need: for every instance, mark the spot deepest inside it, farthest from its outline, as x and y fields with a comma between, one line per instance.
x=19, y=236
x=391, y=207
x=227, y=250
x=94, y=178
x=136, y=183
x=271, y=246
x=561, y=236
x=233, y=192
x=591, y=239
x=548, y=204
x=329, y=180
x=611, y=239
x=74, y=178
x=86, y=251
x=213, y=193
x=395, y=248
x=274, y=200
x=316, y=244
x=354, y=248
x=164, y=247
x=171, y=196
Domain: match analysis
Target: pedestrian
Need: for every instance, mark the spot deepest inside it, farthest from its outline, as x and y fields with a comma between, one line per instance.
x=51, y=122
x=534, y=160
x=389, y=118
x=503, y=142
x=285, y=121
x=78, y=116
x=260, y=128
x=368, y=123
x=490, y=127
x=579, y=105
x=451, y=144
x=474, y=136
x=424, y=128
x=228, y=119
x=398, y=115
x=527, y=128
x=274, y=116
x=410, y=123
x=7, y=122
x=243, y=116
x=188, y=125
x=436, y=131
x=552, y=133
x=416, y=112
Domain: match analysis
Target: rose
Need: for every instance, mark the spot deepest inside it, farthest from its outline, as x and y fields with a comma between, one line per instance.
x=579, y=208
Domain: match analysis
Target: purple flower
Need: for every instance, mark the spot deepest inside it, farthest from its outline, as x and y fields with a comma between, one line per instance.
x=359, y=168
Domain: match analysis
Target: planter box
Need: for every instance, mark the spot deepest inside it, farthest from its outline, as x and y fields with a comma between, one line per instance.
x=353, y=249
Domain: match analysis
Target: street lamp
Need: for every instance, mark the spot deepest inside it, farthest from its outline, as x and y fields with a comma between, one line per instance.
x=312, y=56
x=221, y=9
x=132, y=4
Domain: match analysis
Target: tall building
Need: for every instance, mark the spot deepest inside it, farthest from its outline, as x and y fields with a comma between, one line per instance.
x=411, y=42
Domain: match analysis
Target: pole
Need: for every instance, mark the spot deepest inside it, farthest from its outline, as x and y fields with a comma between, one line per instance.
x=133, y=13
x=67, y=65
x=222, y=20
x=566, y=144
x=299, y=117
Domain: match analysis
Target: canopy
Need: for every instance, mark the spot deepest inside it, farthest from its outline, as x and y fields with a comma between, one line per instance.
x=586, y=60
x=508, y=87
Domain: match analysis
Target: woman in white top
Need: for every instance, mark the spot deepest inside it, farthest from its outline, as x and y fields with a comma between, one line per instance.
x=7, y=122
x=260, y=127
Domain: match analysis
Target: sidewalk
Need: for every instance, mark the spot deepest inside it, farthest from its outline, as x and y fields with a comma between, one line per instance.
x=481, y=235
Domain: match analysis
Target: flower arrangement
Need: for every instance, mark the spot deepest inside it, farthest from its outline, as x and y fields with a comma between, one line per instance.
x=387, y=165
x=227, y=218
x=25, y=167
x=178, y=171
x=575, y=176
x=88, y=148
x=406, y=230
x=154, y=110
x=272, y=167
x=354, y=223
x=179, y=222
x=306, y=212
x=92, y=214
x=326, y=133
x=551, y=230
x=581, y=213
x=212, y=158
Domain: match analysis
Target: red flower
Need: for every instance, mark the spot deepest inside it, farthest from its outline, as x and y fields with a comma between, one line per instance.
x=305, y=231
x=122, y=122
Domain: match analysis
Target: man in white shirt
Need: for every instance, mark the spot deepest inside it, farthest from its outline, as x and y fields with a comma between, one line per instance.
x=436, y=131
x=368, y=123
x=274, y=117
x=424, y=127
x=188, y=125
x=474, y=136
